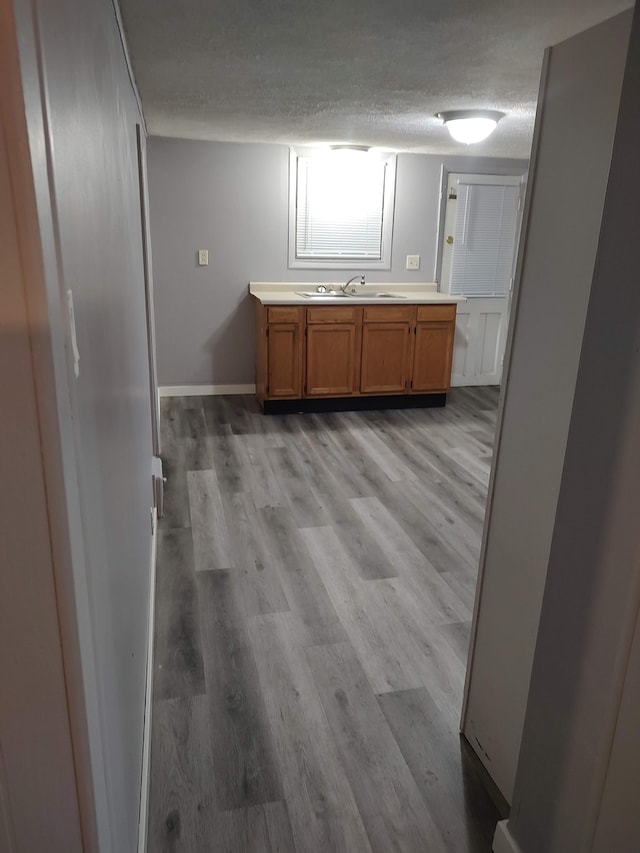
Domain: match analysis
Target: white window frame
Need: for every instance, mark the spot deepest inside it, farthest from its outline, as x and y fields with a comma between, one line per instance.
x=384, y=262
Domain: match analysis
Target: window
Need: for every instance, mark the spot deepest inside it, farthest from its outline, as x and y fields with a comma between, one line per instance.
x=341, y=209
x=484, y=236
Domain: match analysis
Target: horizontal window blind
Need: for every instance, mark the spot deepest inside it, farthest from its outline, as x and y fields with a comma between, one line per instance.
x=340, y=207
x=484, y=239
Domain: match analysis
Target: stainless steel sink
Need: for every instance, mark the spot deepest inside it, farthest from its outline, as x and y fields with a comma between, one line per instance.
x=340, y=294
x=365, y=295
x=327, y=294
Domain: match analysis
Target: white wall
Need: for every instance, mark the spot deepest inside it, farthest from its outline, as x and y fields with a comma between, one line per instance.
x=36, y=751
x=578, y=775
x=233, y=200
x=94, y=431
x=570, y=168
x=618, y=826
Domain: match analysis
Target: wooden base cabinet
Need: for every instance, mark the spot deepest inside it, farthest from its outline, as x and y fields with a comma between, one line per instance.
x=284, y=375
x=433, y=348
x=279, y=352
x=386, y=346
x=353, y=351
x=332, y=351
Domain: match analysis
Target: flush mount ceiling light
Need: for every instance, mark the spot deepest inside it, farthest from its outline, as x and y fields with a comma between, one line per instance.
x=470, y=126
x=347, y=147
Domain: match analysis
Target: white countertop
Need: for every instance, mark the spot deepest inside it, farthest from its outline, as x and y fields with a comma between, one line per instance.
x=281, y=292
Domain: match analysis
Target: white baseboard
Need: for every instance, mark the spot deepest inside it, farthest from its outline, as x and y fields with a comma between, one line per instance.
x=470, y=382
x=503, y=841
x=204, y=390
x=146, y=737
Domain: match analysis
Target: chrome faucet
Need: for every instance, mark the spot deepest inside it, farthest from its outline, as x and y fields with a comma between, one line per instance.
x=346, y=284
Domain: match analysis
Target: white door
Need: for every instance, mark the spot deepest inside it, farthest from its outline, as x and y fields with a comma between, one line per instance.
x=482, y=217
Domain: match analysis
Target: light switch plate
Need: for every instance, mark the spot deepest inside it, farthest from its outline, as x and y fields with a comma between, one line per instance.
x=413, y=262
x=203, y=257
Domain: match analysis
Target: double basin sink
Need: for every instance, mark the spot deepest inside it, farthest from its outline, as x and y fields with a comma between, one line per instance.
x=341, y=294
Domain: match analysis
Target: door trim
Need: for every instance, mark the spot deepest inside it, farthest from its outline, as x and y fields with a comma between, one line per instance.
x=148, y=291
x=145, y=782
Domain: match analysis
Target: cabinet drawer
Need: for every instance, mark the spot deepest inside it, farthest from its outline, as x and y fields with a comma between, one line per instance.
x=436, y=312
x=387, y=313
x=284, y=314
x=333, y=314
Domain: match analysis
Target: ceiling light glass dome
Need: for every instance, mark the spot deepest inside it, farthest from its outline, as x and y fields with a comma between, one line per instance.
x=470, y=126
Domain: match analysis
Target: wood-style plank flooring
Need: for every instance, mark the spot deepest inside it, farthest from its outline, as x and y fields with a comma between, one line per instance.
x=315, y=583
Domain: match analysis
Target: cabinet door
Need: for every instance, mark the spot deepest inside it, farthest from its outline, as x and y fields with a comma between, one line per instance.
x=385, y=358
x=432, y=357
x=331, y=354
x=284, y=360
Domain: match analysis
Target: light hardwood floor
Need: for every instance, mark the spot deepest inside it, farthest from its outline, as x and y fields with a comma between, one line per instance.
x=315, y=584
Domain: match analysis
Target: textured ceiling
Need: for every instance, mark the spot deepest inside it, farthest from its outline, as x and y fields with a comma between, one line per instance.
x=372, y=72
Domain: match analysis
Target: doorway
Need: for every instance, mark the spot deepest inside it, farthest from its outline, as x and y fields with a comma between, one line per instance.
x=480, y=231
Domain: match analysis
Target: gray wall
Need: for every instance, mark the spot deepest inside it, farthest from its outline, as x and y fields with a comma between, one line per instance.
x=570, y=169
x=233, y=200
x=96, y=433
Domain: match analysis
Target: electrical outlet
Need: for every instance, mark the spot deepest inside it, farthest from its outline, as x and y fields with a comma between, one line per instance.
x=413, y=262
x=203, y=257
